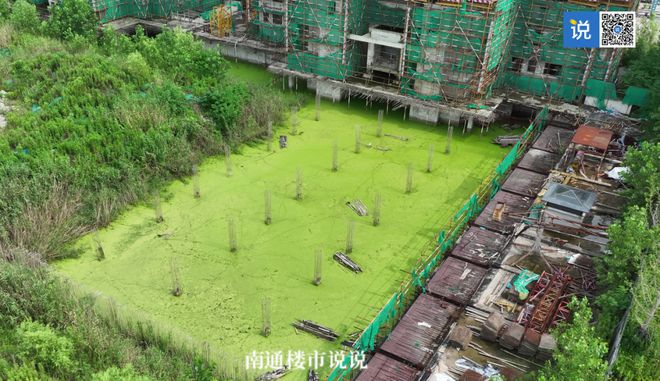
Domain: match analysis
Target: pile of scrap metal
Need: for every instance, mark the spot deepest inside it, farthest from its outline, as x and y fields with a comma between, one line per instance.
x=273, y=374
x=506, y=140
x=312, y=376
x=315, y=329
x=347, y=262
x=358, y=207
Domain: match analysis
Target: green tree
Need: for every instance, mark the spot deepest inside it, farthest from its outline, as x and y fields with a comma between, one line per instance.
x=643, y=177
x=630, y=240
x=72, y=18
x=5, y=9
x=41, y=344
x=24, y=17
x=579, y=354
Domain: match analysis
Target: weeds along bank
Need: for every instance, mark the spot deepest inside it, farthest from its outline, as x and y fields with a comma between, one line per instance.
x=95, y=124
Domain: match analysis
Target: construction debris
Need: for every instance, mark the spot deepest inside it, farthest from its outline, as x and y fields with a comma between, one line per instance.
x=316, y=329
x=460, y=337
x=402, y=138
x=358, y=207
x=273, y=374
x=546, y=346
x=492, y=327
x=347, y=262
x=506, y=140
x=312, y=376
x=512, y=336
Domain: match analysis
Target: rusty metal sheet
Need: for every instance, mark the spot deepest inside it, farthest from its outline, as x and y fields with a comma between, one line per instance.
x=456, y=280
x=554, y=139
x=538, y=161
x=524, y=182
x=479, y=246
x=416, y=337
x=515, y=207
x=383, y=368
x=593, y=137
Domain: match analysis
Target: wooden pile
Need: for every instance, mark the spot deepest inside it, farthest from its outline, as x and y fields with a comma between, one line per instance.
x=273, y=374
x=492, y=327
x=530, y=343
x=460, y=337
x=402, y=138
x=358, y=207
x=316, y=329
x=512, y=336
x=347, y=262
x=546, y=346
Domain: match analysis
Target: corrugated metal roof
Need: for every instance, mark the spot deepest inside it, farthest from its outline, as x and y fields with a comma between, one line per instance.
x=415, y=338
x=592, y=137
x=456, y=280
x=479, y=246
x=568, y=197
x=383, y=368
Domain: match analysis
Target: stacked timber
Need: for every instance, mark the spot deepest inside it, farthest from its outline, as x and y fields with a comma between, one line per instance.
x=460, y=337
x=530, y=343
x=492, y=326
x=546, y=346
x=512, y=336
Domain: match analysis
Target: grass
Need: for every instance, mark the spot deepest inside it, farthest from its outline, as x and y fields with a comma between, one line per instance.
x=223, y=290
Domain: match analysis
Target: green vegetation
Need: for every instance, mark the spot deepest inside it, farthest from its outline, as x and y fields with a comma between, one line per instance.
x=223, y=290
x=97, y=123
x=97, y=126
x=579, y=356
x=643, y=71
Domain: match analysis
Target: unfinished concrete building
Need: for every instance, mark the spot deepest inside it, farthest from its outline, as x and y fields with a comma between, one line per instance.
x=451, y=59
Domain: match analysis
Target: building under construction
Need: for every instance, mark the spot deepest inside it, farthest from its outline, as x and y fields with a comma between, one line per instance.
x=439, y=59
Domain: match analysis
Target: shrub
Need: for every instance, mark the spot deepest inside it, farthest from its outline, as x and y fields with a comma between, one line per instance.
x=24, y=17
x=41, y=344
x=72, y=18
x=116, y=374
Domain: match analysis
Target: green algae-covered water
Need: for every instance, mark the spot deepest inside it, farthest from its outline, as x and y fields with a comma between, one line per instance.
x=223, y=291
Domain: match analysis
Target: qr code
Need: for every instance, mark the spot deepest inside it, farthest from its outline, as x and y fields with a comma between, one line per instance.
x=617, y=29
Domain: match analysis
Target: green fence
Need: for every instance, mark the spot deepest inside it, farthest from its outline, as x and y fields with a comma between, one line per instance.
x=391, y=313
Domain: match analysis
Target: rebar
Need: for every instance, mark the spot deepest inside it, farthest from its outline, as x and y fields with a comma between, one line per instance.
x=228, y=164
x=158, y=208
x=350, y=232
x=318, y=262
x=379, y=128
x=176, y=289
x=299, y=184
x=377, y=207
x=265, y=317
x=358, y=139
x=450, y=133
x=429, y=163
x=231, y=229
x=195, y=179
x=409, y=179
x=335, y=156
x=100, y=253
x=268, y=215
